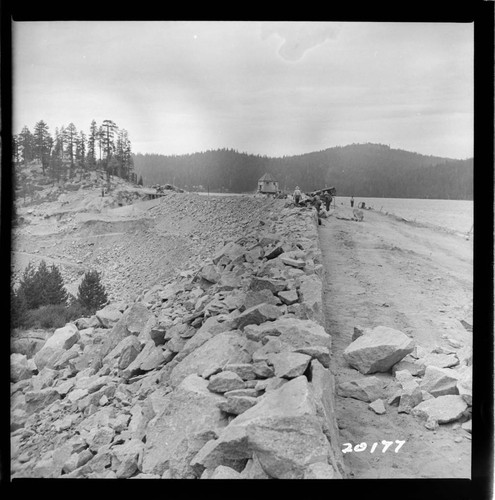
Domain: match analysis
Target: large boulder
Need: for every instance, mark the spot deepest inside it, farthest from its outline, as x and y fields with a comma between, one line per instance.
x=223, y=348
x=223, y=472
x=124, y=353
x=282, y=430
x=465, y=384
x=256, y=315
x=63, y=338
x=378, y=407
x=236, y=405
x=210, y=273
x=296, y=332
x=48, y=357
x=149, y=358
x=254, y=253
x=321, y=353
x=19, y=368
x=125, y=457
x=440, y=381
x=253, y=469
x=86, y=359
x=29, y=343
x=44, y=378
x=245, y=370
x=85, y=323
x=225, y=381
x=271, y=346
x=64, y=361
x=229, y=252
x=289, y=364
x=133, y=322
x=139, y=319
x=229, y=281
x=99, y=437
x=289, y=297
x=211, y=327
x=410, y=396
x=365, y=389
x=465, y=356
x=37, y=400
x=310, y=289
x=443, y=409
x=258, y=284
x=323, y=385
x=288, y=261
x=415, y=368
x=108, y=316
x=378, y=350
x=439, y=360
x=189, y=419
x=54, y=348
x=253, y=298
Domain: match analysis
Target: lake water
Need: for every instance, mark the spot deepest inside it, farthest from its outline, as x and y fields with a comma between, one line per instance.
x=455, y=215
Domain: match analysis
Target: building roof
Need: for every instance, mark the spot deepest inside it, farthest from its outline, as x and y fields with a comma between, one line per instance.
x=267, y=178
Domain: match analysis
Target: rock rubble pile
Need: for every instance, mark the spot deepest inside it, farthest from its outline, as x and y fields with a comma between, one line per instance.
x=219, y=372
x=434, y=386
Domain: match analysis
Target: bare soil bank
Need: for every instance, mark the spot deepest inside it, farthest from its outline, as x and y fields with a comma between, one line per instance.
x=383, y=271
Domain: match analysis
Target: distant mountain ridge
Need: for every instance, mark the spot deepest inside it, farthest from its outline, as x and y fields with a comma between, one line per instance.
x=373, y=170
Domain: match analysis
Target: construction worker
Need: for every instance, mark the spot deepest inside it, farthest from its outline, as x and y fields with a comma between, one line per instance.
x=327, y=197
x=297, y=195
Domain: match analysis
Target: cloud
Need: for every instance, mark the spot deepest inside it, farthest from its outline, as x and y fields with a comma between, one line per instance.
x=299, y=37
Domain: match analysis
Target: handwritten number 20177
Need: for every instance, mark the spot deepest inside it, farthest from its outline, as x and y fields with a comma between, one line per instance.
x=362, y=446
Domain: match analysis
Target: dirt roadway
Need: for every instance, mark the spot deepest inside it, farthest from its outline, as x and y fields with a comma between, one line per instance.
x=383, y=271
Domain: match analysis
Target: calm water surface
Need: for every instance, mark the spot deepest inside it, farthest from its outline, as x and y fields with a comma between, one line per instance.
x=456, y=215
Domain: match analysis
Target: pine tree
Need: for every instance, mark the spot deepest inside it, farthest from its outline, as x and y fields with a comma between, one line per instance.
x=124, y=155
x=26, y=144
x=109, y=128
x=91, y=156
x=91, y=293
x=42, y=286
x=43, y=143
x=56, y=165
x=71, y=138
x=81, y=152
x=28, y=287
x=42, y=280
x=54, y=290
x=100, y=138
x=18, y=308
x=140, y=181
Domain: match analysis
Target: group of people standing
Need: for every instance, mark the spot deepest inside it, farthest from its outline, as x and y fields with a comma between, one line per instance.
x=317, y=201
x=314, y=200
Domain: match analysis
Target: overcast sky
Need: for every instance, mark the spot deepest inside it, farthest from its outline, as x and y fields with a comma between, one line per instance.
x=269, y=88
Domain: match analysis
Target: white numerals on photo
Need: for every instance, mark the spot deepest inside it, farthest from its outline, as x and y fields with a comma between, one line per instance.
x=362, y=446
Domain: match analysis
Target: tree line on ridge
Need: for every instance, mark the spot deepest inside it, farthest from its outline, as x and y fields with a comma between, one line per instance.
x=372, y=170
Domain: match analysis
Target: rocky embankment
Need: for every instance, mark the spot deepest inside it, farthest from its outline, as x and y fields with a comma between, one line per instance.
x=435, y=386
x=134, y=246
x=220, y=372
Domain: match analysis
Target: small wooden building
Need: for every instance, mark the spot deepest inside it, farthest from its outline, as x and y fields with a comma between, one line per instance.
x=267, y=184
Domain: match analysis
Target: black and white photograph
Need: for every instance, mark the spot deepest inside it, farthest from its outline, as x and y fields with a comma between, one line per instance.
x=242, y=249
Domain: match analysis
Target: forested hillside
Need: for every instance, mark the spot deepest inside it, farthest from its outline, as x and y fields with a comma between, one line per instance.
x=70, y=151
x=372, y=170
